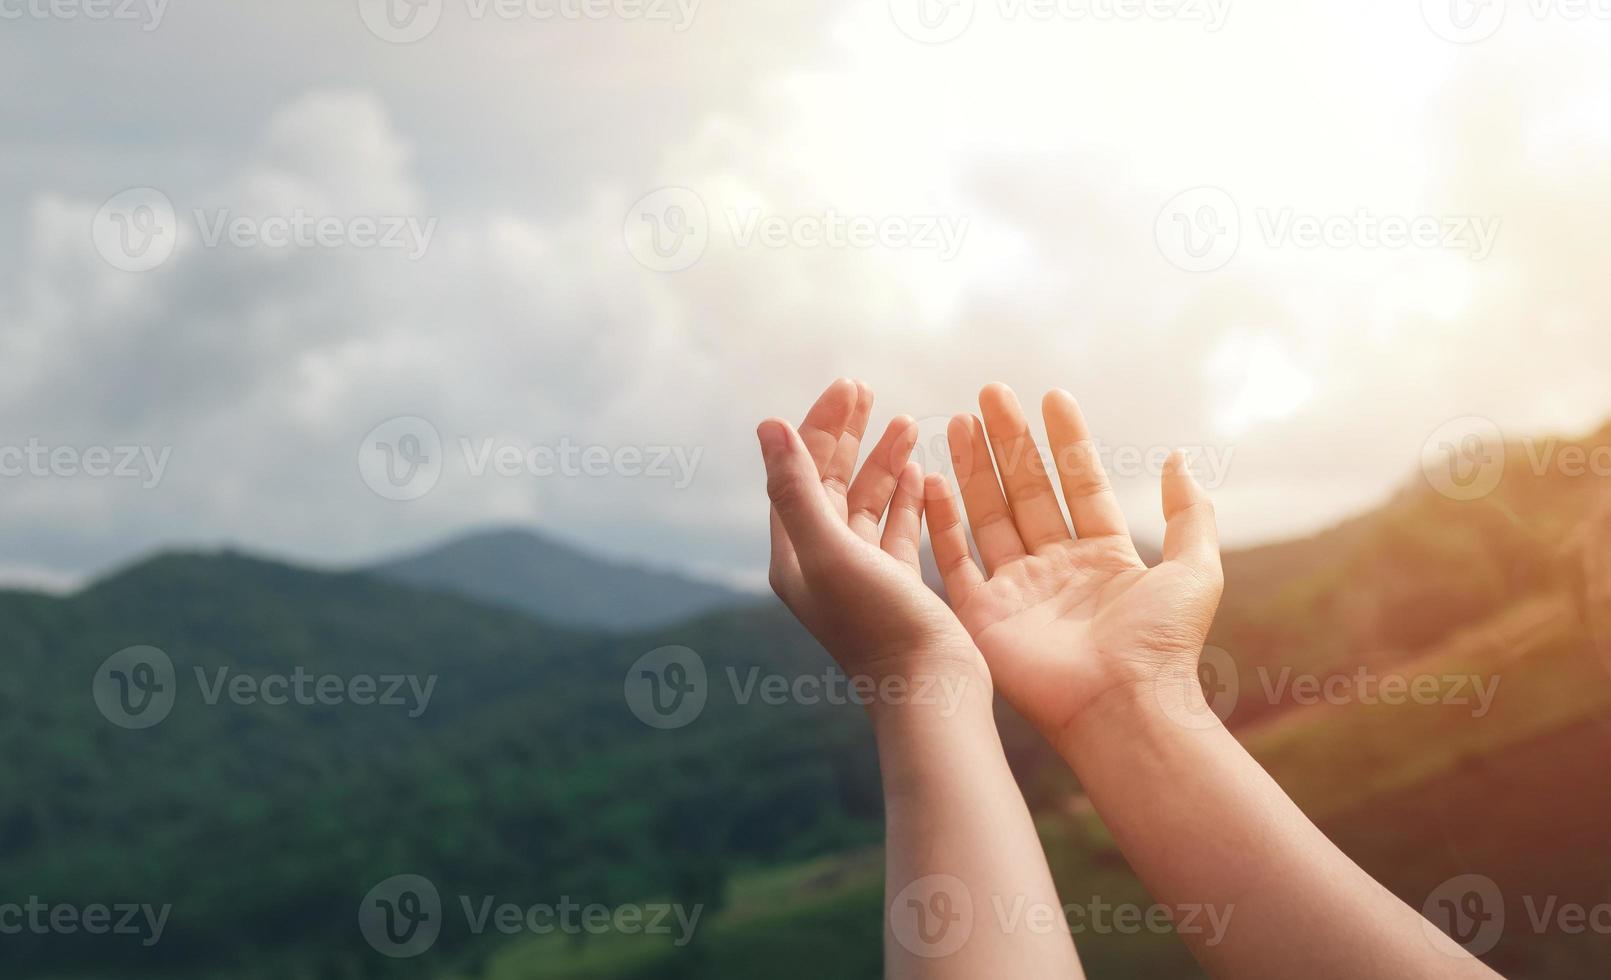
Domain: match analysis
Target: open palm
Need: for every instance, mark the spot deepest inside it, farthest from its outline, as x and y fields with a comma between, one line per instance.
x=1062, y=620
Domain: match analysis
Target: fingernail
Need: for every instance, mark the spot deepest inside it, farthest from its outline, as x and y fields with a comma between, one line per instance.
x=772, y=436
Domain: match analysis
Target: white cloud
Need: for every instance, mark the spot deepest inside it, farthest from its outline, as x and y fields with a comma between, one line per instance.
x=528, y=322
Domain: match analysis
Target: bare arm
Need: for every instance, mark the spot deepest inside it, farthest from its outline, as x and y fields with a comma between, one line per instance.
x=960, y=843
x=1100, y=652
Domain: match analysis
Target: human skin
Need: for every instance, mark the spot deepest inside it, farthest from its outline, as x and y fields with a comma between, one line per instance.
x=959, y=835
x=1100, y=653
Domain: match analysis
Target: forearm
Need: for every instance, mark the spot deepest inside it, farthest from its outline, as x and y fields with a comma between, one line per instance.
x=1210, y=833
x=967, y=890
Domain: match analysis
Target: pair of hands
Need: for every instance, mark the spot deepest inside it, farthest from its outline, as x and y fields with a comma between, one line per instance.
x=1057, y=622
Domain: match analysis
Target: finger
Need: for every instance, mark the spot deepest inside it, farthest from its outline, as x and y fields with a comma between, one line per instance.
x=1191, y=535
x=826, y=421
x=957, y=568
x=1091, y=500
x=796, y=492
x=870, y=492
x=842, y=465
x=993, y=528
x=820, y=432
x=904, y=528
x=1035, y=510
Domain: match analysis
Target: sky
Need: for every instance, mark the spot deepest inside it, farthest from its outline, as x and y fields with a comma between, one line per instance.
x=333, y=279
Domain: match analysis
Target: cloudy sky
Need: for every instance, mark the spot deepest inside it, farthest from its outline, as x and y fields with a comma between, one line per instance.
x=334, y=278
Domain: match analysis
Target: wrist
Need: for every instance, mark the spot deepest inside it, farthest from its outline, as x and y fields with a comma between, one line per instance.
x=932, y=683
x=1168, y=704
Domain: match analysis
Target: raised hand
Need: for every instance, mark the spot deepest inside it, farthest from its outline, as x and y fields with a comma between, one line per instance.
x=1064, y=619
x=959, y=834
x=858, y=590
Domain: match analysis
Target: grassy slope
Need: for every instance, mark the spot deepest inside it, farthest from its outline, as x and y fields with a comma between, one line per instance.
x=1415, y=793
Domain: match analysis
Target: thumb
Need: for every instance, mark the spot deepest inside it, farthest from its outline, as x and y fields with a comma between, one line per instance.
x=796, y=490
x=1190, y=534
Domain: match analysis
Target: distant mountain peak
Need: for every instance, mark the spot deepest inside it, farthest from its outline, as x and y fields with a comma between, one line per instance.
x=522, y=568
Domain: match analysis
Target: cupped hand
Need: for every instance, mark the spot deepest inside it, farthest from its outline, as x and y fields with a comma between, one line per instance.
x=856, y=587
x=1065, y=619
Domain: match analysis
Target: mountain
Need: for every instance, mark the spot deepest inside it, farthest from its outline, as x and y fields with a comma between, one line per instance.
x=525, y=774
x=530, y=776
x=519, y=569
